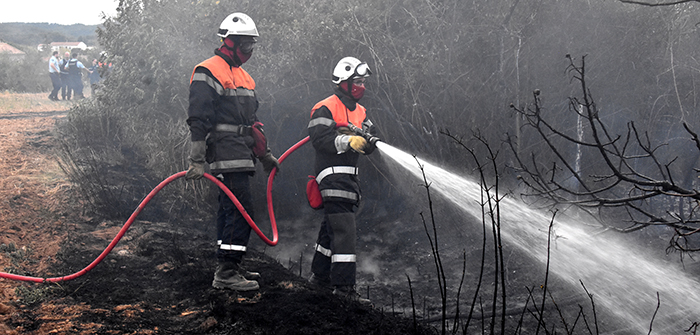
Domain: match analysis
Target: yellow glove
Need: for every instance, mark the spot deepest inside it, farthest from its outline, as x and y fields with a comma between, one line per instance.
x=358, y=143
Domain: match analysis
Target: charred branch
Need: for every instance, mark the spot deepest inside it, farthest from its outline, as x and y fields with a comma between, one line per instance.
x=625, y=174
x=657, y=4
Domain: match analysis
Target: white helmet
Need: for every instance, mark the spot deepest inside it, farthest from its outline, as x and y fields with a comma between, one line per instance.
x=237, y=24
x=350, y=68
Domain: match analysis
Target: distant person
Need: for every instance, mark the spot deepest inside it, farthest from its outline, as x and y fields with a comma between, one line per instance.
x=225, y=132
x=337, y=152
x=75, y=76
x=105, y=67
x=65, y=78
x=94, y=75
x=55, y=74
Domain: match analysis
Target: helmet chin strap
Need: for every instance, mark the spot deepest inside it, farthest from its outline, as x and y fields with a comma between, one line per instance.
x=347, y=88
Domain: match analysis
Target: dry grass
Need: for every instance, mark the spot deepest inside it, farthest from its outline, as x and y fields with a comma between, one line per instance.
x=34, y=192
x=18, y=103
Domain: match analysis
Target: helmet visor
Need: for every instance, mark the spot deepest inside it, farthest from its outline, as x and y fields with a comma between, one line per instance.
x=362, y=70
x=247, y=45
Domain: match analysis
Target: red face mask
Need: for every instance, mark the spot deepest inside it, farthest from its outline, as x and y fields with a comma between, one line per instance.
x=357, y=91
x=228, y=47
x=243, y=57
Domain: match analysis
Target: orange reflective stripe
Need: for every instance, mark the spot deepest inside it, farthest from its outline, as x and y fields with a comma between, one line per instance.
x=340, y=113
x=229, y=77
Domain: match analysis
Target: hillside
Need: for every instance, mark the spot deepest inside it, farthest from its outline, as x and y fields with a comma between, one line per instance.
x=32, y=34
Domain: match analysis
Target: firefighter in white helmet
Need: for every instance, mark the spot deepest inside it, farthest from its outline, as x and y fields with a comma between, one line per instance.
x=337, y=152
x=226, y=133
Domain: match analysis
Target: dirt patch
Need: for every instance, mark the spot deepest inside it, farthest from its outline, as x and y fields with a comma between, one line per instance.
x=33, y=196
x=158, y=278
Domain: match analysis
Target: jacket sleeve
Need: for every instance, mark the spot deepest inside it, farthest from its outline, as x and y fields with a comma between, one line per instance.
x=200, y=113
x=323, y=134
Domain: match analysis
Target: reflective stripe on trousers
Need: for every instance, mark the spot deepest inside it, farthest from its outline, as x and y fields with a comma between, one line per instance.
x=343, y=258
x=231, y=246
x=337, y=258
x=323, y=251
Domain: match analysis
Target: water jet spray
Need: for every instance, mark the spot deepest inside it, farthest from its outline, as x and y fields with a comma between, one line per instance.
x=621, y=278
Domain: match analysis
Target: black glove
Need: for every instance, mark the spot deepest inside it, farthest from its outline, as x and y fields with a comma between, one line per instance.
x=195, y=171
x=344, y=131
x=269, y=162
x=370, y=147
x=197, y=153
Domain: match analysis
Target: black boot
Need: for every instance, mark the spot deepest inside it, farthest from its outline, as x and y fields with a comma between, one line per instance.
x=349, y=293
x=227, y=277
x=250, y=275
x=320, y=282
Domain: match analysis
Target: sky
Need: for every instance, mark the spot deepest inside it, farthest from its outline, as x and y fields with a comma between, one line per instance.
x=55, y=11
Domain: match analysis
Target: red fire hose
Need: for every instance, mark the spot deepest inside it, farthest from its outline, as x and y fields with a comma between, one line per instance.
x=272, y=177
x=148, y=199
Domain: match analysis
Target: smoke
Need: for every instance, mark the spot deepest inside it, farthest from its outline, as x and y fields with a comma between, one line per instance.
x=370, y=264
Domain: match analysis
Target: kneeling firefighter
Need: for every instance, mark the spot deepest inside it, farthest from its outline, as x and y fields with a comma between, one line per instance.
x=226, y=133
x=337, y=152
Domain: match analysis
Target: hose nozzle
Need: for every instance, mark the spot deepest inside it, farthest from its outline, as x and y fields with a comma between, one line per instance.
x=361, y=132
x=373, y=140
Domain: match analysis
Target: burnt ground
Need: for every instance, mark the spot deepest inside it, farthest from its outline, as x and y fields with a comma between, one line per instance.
x=158, y=278
x=158, y=281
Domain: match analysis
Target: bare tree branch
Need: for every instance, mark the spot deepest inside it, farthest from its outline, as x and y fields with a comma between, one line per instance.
x=656, y=4
x=625, y=174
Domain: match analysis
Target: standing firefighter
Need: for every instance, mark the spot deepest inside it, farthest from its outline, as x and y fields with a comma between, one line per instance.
x=337, y=152
x=226, y=133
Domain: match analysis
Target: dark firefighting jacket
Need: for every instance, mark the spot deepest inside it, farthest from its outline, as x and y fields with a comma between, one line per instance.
x=336, y=164
x=222, y=110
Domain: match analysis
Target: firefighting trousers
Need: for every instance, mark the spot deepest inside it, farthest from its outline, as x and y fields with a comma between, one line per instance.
x=335, y=256
x=232, y=230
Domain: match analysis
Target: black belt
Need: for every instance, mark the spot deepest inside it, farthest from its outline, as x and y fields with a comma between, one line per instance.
x=233, y=128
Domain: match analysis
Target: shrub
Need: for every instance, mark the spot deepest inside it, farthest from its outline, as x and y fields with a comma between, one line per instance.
x=28, y=74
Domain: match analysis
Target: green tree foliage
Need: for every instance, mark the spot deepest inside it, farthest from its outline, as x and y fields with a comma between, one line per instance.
x=33, y=34
x=26, y=74
x=30, y=73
